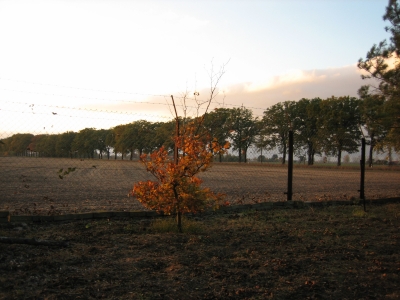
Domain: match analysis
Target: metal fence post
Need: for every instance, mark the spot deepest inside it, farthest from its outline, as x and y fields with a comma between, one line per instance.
x=362, y=166
x=290, y=167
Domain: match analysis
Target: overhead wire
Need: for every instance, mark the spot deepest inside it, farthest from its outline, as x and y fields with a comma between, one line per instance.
x=116, y=92
x=82, y=89
x=76, y=116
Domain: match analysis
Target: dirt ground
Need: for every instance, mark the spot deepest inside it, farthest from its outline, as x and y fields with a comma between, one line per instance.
x=326, y=253
x=31, y=185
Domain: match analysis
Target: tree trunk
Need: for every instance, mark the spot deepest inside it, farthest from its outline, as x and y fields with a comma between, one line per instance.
x=178, y=213
x=310, y=156
x=339, y=160
x=284, y=154
x=371, y=151
x=240, y=154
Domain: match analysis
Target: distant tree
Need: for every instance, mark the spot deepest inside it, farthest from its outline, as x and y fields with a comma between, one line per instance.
x=20, y=143
x=305, y=124
x=144, y=132
x=120, y=145
x=86, y=142
x=372, y=111
x=276, y=123
x=216, y=125
x=382, y=64
x=102, y=146
x=261, y=141
x=36, y=144
x=243, y=130
x=46, y=145
x=3, y=146
x=109, y=141
x=64, y=142
x=138, y=135
x=339, y=126
x=162, y=135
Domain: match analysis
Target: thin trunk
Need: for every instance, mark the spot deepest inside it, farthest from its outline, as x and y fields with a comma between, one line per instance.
x=339, y=161
x=310, y=156
x=178, y=213
x=284, y=154
x=371, y=151
x=179, y=221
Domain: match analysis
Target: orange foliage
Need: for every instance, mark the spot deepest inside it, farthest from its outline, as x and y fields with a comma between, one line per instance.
x=177, y=189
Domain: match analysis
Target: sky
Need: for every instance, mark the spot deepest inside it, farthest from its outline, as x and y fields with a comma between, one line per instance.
x=68, y=65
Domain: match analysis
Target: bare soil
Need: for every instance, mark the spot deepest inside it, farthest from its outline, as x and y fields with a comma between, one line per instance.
x=327, y=253
x=31, y=185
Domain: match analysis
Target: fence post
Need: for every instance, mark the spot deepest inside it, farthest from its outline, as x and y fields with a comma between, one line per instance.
x=362, y=166
x=290, y=167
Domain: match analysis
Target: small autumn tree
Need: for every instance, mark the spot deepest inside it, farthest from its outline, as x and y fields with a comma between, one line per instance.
x=177, y=189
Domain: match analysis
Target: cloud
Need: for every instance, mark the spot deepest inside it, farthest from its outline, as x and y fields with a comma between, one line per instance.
x=258, y=96
x=297, y=84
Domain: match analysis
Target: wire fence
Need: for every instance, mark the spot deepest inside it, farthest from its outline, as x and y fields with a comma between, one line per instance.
x=42, y=172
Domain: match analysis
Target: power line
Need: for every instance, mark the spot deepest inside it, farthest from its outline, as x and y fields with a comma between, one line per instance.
x=83, y=117
x=94, y=98
x=81, y=97
x=82, y=89
x=197, y=100
x=79, y=109
x=57, y=107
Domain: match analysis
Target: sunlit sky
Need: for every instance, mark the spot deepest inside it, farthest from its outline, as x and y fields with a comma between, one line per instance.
x=59, y=60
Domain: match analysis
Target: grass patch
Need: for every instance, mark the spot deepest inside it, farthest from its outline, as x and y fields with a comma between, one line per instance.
x=332, y=252
x=168, y=224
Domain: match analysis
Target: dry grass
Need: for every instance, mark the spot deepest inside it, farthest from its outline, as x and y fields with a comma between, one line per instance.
x=32, y=185
x=329, y=253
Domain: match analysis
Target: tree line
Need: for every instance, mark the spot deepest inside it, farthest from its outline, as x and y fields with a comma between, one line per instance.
x=329, y=126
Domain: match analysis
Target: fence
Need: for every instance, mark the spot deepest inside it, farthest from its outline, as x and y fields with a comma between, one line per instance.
x=40, y=173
